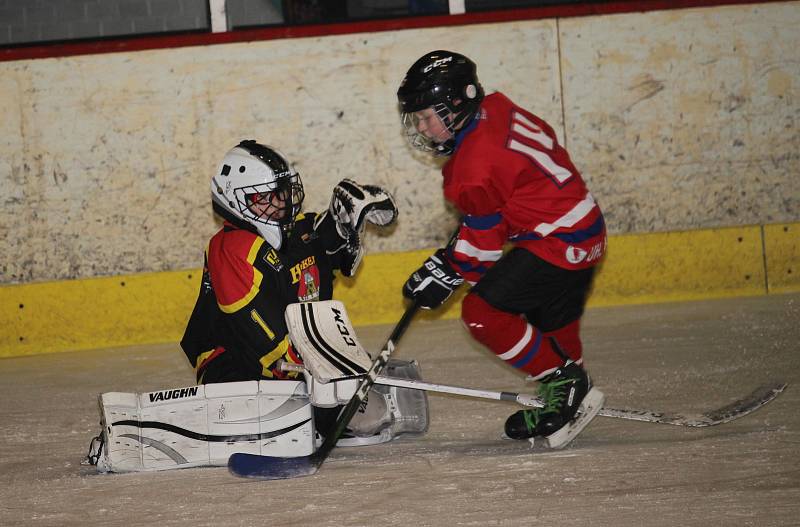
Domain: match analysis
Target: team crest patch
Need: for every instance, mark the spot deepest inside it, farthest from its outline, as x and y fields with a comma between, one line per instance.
x=306, y=275
x=308, y=288
x=575, y=255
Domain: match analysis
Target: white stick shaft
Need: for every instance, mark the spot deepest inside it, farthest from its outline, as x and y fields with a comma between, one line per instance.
x=761, y=396
x=521, y=398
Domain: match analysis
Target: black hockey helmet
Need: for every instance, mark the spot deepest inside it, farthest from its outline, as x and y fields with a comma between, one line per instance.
x=447, y=82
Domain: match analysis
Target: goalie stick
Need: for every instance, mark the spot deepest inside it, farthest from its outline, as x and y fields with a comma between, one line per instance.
x=739, y=408
x=271, y=468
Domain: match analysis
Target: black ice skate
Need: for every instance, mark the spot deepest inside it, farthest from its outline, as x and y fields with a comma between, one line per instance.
x=570, y=403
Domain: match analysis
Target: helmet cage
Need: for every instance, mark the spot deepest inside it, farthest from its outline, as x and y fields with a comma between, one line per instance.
x=422, y=142
x=257, y=189
x=287, y=188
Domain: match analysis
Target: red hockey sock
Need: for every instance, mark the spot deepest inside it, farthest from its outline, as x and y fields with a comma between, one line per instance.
x=569, y=340
x=516, y=341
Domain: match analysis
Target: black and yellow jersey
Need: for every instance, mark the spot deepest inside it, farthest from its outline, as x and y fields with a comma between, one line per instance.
x=237, y=329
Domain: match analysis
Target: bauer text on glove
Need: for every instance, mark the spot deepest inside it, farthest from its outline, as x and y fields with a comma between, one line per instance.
x=433, y=283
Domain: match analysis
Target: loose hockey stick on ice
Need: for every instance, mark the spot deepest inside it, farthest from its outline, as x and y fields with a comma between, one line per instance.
x=270, y=468
x=739, y=408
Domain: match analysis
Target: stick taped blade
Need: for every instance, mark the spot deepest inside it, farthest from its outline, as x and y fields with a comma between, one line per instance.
x=270, y=468
x=760, y=396
x=737, y=409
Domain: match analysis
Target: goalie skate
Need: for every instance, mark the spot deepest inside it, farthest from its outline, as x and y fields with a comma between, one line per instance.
x=390, y=411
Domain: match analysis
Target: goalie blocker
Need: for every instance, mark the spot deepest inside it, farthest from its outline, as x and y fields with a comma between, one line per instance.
x=203, y=425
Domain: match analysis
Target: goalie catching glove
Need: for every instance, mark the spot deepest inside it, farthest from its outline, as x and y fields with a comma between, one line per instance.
x=433, y=283
x=352, y=206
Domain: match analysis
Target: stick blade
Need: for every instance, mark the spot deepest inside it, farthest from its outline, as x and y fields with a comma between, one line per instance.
x=760, y=396
x=271, y=468
x=737, y=409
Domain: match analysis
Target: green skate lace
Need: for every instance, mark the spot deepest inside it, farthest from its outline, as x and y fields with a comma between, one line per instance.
x=552, y=395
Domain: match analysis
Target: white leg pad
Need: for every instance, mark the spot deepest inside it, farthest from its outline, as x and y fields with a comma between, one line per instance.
x=203, y=425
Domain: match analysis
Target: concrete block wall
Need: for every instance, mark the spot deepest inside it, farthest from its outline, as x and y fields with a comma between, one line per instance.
x=678, y=120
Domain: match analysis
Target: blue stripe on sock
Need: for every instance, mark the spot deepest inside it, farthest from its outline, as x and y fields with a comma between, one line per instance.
x=532, y=351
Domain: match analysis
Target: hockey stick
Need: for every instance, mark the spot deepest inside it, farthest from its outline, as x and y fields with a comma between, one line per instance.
x=725, y=414
x=269, y=467
x=739, y=408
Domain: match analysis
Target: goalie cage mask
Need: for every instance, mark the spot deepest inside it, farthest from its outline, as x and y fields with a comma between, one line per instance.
x=256, y=188
x=446, y=82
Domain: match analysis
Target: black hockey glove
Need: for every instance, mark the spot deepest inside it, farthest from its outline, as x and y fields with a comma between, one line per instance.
x=433, y=283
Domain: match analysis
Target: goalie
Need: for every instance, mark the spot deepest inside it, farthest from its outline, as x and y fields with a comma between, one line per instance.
x=266, y=257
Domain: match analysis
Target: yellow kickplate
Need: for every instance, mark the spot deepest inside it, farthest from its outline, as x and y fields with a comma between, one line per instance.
x=686, y=265
x=782, y=250
x=96, y=313
x=639, y=268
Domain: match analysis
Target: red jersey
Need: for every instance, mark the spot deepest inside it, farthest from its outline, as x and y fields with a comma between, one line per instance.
x=514, y=182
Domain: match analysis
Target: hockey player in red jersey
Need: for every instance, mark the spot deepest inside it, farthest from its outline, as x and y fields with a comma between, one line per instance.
x=513, y=183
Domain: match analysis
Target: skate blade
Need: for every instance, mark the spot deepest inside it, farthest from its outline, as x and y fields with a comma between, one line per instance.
x=587, y=411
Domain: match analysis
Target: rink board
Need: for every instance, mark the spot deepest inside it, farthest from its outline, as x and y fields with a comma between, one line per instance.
x=639, y=268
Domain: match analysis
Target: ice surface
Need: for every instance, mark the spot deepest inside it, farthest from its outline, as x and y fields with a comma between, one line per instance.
x=682, y=357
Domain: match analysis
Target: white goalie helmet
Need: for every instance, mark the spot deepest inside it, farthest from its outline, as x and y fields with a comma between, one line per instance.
x=256, y=188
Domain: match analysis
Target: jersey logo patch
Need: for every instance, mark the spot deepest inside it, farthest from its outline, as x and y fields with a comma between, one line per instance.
x=272, y=259
x=306, y=275
x=308, y=288
x=575, y=255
